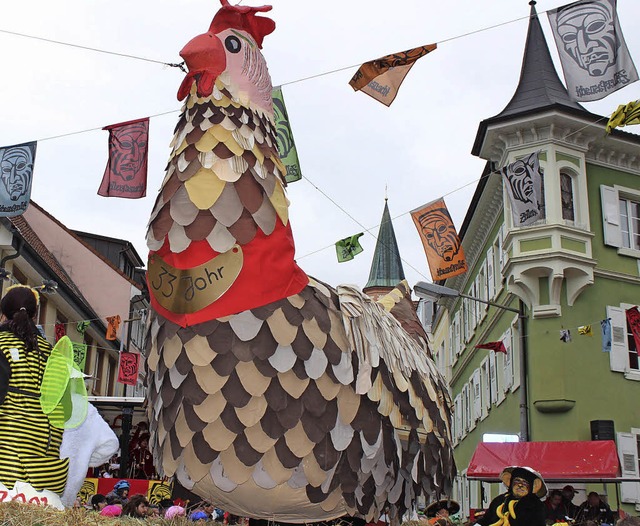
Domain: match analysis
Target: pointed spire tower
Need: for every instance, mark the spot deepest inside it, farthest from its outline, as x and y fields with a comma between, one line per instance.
x=541, y=117
x=386, y=267
x=539, y=89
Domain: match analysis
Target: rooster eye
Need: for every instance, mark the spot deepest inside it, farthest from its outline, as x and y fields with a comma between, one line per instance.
x=232, y=44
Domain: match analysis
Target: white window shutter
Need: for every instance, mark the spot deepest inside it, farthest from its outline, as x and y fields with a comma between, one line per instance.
x=628, y=454
x=491, y=275
x=515, y=355
x=467, y=319
x=477, y=395
x=503, y=256
x=465, y=495
x=457, y=407
x=508, y=361
x=610, y=216
x=477, y=306
x=619, y=355
x=468, y=407
x=493, y=378
x=474, y=494
x=485, y=387
x=456, y=335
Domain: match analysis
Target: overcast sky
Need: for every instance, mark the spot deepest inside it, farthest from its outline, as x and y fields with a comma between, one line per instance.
x=350, y=146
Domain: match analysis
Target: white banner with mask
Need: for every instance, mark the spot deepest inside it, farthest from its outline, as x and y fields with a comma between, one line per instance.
x=523, y=180
x=593, y=53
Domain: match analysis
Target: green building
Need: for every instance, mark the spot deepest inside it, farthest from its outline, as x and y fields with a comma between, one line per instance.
x=578, y=265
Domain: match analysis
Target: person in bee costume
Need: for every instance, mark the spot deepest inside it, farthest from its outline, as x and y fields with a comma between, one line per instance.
x=29, y=444
x=521, y=504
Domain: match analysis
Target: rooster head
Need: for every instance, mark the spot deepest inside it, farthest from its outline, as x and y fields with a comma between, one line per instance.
x=231, y=46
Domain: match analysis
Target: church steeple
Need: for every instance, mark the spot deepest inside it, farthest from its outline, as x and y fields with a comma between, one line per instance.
x=386, y=267
x=539, y=87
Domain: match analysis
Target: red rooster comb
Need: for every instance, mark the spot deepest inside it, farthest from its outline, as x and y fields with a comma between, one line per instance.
x=244, y=18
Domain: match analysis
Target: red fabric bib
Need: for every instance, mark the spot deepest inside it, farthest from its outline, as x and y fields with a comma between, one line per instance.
x=269, y=273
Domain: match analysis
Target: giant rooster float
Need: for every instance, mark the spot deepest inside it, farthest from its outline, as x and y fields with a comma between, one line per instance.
x=271, y=393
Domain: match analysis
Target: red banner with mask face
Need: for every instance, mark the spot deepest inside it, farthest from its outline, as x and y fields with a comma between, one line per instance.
x=126, y=172
x=128, y=371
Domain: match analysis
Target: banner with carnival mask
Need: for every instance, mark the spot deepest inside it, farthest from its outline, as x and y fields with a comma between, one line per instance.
x=440, y=240
x=16, y=163
x=381, y=78
x=593, y=53
x=128, y=370
x=523, y=179
x=284, y=138
x=126, y=172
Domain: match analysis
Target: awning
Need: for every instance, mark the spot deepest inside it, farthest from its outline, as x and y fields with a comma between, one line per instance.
x=587, y=461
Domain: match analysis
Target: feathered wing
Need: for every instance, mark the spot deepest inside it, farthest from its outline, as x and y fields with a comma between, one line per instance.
x=260, y=411
x=396, y=373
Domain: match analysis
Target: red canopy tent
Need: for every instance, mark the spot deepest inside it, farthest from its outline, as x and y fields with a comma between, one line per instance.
x=586, y=461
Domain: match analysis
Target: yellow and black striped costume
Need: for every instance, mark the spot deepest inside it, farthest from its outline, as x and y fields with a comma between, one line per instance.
x=29, y=445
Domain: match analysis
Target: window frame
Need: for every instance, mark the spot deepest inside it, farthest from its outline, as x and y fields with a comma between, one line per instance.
x=571, y=175
x=611, y=221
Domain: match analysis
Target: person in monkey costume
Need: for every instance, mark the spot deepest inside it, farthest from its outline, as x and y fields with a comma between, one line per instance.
x=521, y=504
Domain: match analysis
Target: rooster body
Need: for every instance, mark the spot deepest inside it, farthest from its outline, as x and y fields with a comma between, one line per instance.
x=271, y=393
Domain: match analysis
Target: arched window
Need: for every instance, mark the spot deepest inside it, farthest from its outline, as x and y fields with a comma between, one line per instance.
x=566, y=196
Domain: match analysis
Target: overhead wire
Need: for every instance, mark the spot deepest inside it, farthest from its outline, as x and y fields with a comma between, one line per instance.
x=336, y=70
x=94, y=49
x=450, y=192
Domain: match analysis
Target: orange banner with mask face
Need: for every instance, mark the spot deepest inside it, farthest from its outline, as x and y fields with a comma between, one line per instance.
x=440, y=240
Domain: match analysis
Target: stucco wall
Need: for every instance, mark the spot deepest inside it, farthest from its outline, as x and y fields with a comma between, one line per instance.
x=105, y=289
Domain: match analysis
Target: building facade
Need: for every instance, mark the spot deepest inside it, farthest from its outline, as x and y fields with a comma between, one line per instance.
x=577, y=266
x=84, y=285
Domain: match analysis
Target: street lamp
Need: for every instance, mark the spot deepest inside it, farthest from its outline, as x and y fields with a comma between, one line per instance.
x=434, y=292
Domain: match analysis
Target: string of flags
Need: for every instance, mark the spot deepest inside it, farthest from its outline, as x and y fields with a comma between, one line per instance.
x=125, y=175
x=589, y=77
x=632, y=316
x=593, y=54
